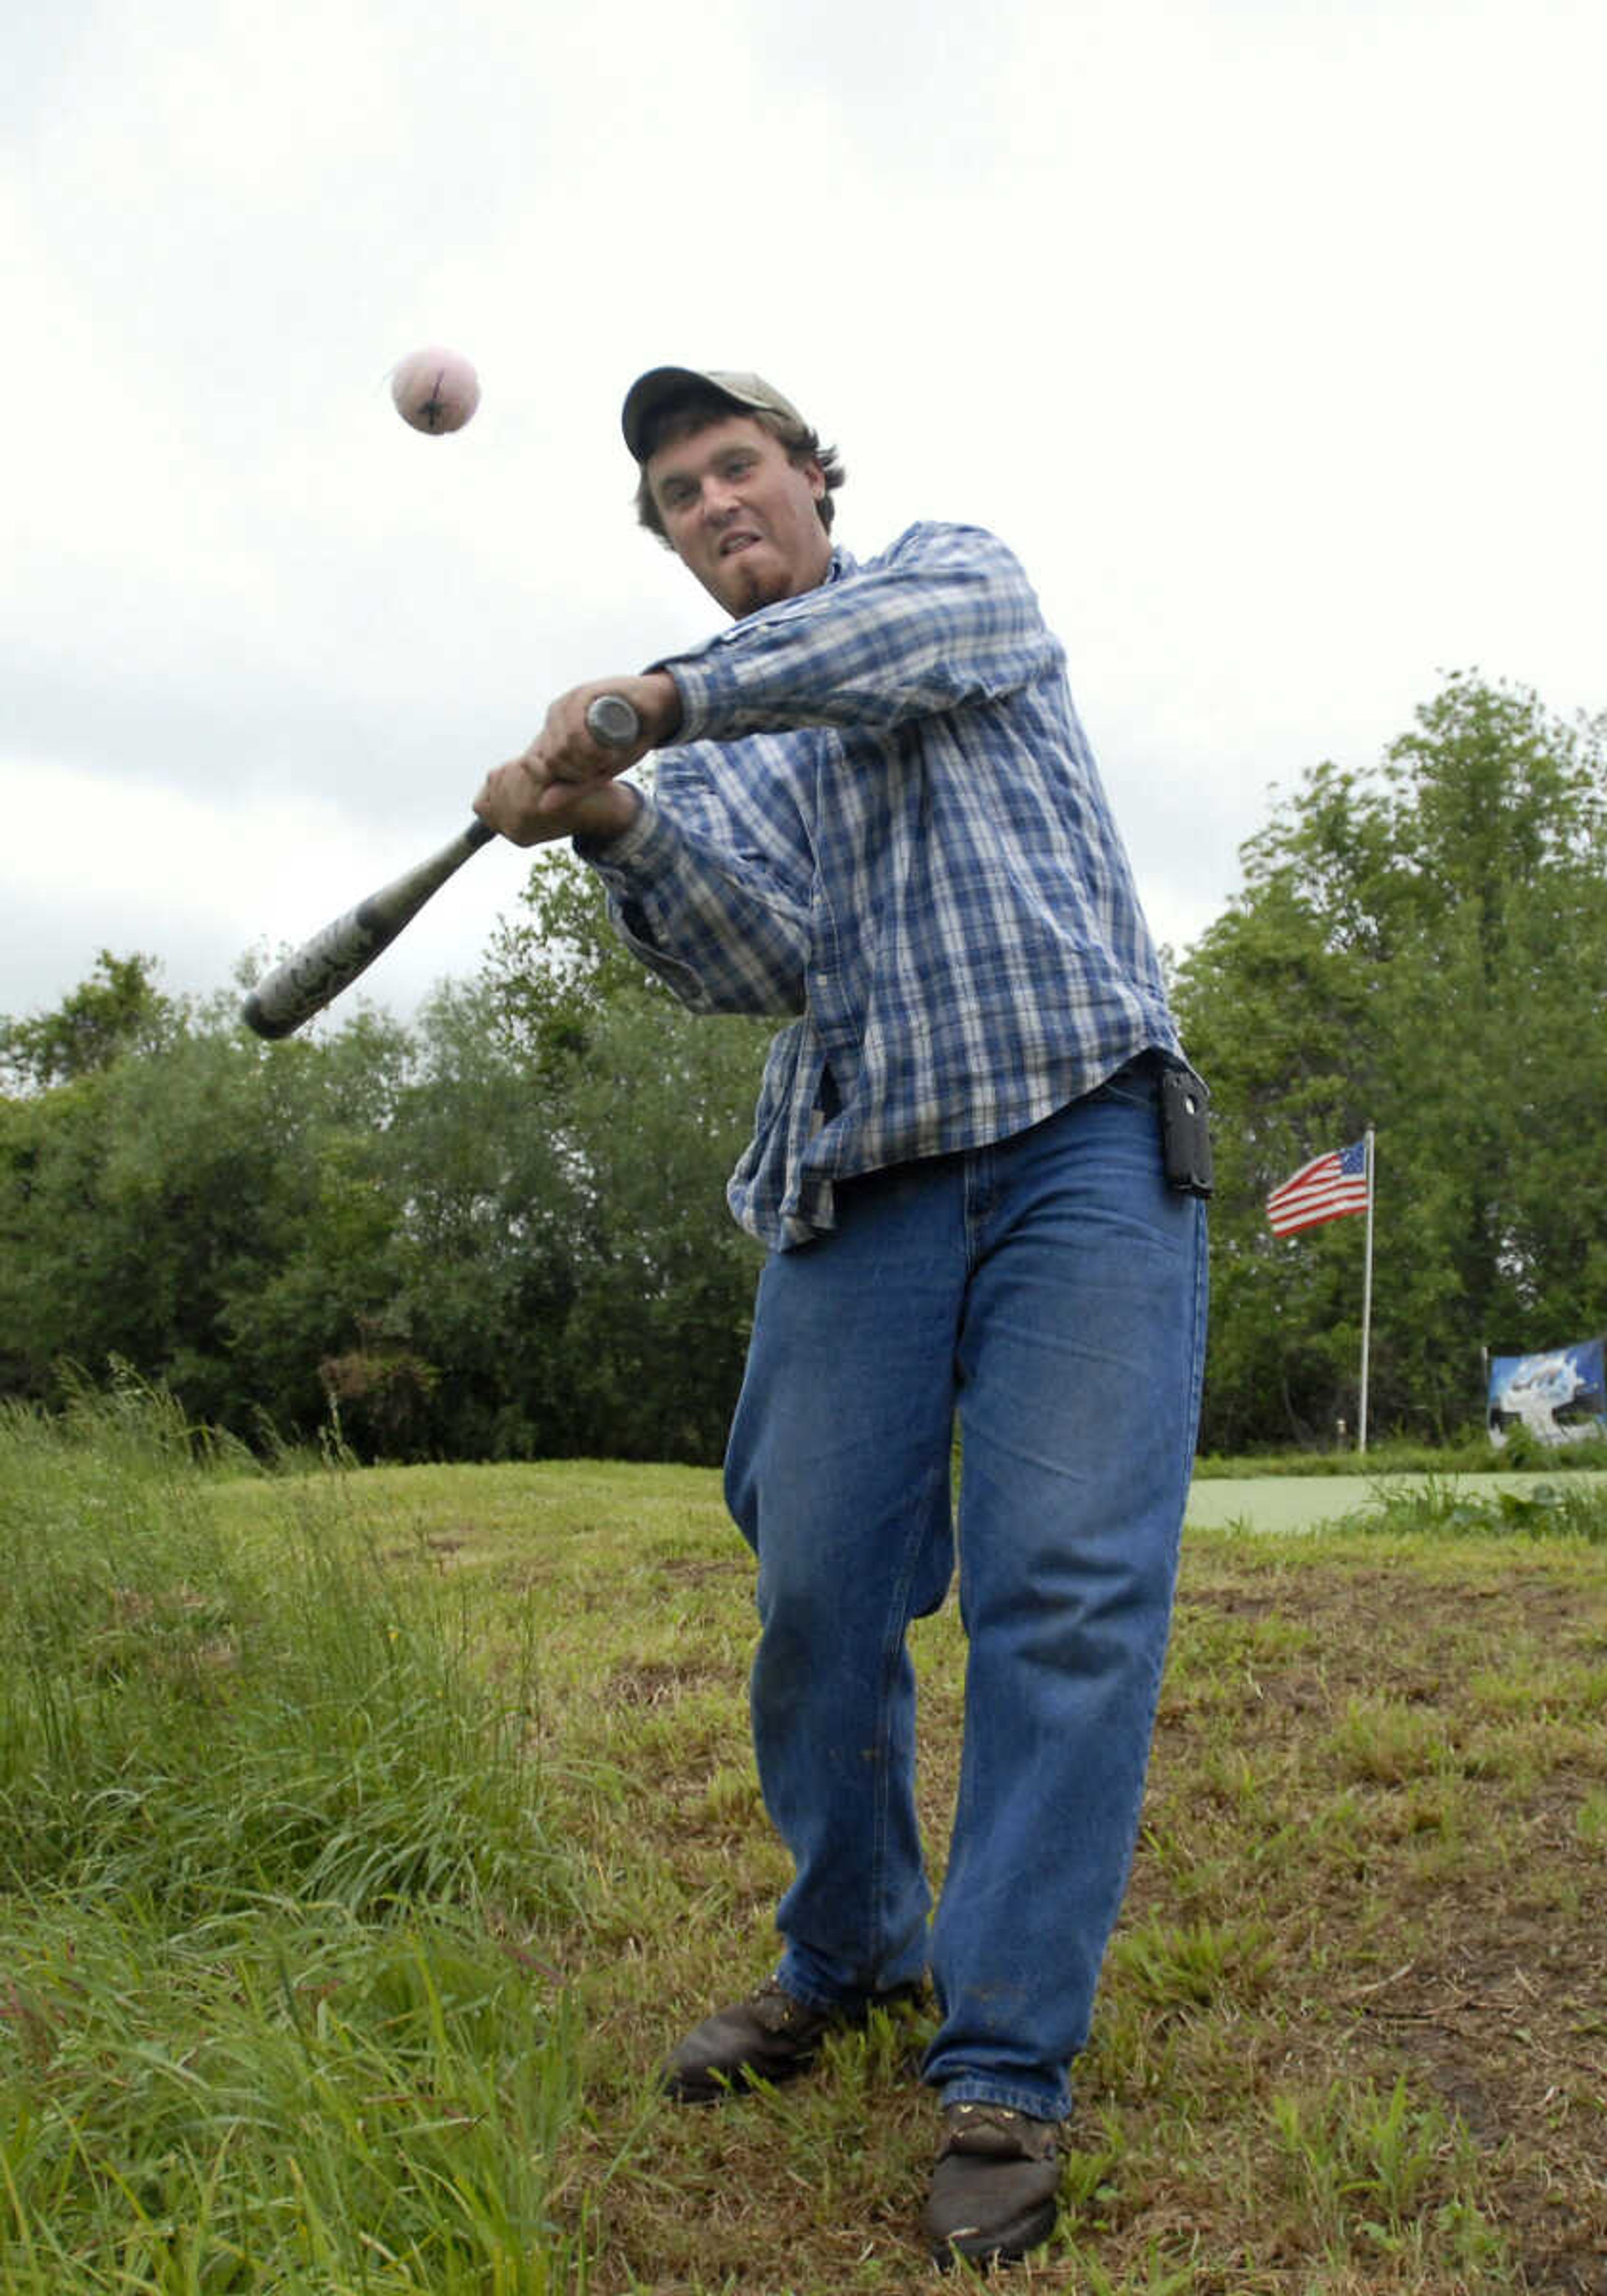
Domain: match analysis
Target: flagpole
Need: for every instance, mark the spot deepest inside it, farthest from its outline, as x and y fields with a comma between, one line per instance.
x=1366, y=1300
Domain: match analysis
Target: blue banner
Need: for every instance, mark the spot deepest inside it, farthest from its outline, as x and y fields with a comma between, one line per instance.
x=1560, y=1397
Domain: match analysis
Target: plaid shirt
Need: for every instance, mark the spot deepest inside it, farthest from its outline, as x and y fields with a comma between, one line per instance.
x=883, y=816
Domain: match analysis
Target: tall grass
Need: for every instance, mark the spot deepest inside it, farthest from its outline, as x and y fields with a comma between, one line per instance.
x=1441, y=1508
x=273, y=1888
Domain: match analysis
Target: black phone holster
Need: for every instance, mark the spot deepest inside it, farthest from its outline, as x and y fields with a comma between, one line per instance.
x=1185, y=1136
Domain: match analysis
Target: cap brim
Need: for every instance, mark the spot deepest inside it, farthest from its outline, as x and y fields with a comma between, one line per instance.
x=654, y=389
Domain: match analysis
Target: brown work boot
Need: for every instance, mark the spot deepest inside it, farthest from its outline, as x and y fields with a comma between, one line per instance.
x=770, y=2036
x=993, y=2191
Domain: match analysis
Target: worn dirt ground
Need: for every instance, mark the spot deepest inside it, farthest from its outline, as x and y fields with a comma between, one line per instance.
x=1353, y=2030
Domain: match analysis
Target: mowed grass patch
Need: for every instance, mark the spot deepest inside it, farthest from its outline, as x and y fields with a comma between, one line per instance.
x=1351, y=2034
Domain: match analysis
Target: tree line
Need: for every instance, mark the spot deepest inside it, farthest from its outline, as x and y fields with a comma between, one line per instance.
x=499, y=1231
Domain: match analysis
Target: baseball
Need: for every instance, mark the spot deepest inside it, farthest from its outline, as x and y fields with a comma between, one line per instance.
x=435, y=389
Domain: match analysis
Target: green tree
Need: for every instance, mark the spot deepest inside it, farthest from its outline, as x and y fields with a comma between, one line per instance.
x=500, y=1232
x=321, y=1257
x=486, y=1276
x=555, y=968
x=119, y=1009
x=1424, y=950
x=649, y=1107
x=205, y=1210
x=657, y=1114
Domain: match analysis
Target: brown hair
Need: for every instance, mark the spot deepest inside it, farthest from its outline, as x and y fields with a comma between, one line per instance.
x=697, y=410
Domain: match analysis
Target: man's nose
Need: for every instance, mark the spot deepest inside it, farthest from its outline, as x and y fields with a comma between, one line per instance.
x=720, y=499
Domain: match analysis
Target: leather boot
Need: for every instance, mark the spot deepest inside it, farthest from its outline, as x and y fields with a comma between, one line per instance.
x=993, y=2190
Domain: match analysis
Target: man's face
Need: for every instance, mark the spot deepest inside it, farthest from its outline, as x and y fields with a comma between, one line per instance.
x=740, y=515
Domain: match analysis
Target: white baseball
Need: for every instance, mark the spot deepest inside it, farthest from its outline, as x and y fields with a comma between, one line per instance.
x=435, y=389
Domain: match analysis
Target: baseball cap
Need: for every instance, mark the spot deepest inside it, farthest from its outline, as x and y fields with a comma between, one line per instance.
x=748, y=393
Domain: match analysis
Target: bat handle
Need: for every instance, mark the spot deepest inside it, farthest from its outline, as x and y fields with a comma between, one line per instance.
x=612, y=721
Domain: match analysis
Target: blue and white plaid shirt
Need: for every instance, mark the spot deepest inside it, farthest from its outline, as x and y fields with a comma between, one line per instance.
x=883, y=816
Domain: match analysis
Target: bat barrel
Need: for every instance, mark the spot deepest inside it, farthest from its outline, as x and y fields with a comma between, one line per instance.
x=306, y=982
x=262, y=1022
x=311, y=979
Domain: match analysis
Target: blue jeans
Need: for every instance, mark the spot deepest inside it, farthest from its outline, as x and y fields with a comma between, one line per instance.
x=1051, y=1290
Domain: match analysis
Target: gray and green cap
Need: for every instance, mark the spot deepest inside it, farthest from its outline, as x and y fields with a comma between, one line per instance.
x=651, y=392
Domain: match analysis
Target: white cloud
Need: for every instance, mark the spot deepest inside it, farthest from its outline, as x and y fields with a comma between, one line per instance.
x=1268, y=337
x=92, y=863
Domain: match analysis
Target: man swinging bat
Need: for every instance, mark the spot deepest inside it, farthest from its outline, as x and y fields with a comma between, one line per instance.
x=977, y=1164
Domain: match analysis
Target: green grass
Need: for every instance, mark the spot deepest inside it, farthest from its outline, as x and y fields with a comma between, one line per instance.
x=275, y=1876
x=366, y=1838
x=1442, y=1508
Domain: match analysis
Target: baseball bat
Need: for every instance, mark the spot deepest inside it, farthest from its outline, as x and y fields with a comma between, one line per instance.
x=332, y=959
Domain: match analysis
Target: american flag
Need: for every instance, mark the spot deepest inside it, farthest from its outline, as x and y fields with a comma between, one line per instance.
x=1326, y=1189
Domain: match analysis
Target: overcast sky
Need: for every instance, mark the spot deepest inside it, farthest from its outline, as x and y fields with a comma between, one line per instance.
x=1270, y=335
